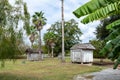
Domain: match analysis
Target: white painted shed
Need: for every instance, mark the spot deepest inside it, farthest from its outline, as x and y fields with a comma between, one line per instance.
x=34, y=55
x=82, y=53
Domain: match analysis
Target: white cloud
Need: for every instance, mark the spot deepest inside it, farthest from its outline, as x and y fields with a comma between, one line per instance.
x=88, y=30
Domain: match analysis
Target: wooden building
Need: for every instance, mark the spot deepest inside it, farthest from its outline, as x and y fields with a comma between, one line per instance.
x=82, y=53
x=34, y=55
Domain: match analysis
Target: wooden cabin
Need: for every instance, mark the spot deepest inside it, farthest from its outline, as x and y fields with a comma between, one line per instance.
x=82, y=53
x=34, y=55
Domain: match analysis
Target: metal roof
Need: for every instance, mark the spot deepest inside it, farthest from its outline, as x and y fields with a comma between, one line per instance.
x=86, y=46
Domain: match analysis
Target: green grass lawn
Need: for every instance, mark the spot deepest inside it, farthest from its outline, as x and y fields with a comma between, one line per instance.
x=48, y=69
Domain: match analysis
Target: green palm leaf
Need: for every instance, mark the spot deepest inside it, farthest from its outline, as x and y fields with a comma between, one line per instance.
x=113, y=24
x=113, y=35
x=101, y=13
x=114, y=54
x=110, y=46
x=91, y=6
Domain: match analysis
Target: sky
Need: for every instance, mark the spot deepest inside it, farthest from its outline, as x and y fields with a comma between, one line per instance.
x=52, y=11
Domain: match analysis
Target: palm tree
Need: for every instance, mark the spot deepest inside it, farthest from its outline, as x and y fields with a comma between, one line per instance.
x=39, y=21
x=32, y=38
x=100, y=9
x=50, y=40
x=32, y=34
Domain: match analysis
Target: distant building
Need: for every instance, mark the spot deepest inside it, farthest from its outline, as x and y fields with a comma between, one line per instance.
x=34, y=55
x=82, y=53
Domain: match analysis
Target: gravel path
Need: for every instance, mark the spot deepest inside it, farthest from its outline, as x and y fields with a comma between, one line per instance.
x=107, y=74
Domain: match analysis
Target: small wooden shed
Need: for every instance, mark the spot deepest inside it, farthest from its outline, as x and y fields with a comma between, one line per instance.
x=34, y=55
x=82, y=53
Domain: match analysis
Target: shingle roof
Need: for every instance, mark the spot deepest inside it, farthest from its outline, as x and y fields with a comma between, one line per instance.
x=33, y=51
x=83, y=46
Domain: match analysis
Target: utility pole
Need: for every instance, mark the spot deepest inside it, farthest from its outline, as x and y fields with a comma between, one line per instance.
x=62, y=15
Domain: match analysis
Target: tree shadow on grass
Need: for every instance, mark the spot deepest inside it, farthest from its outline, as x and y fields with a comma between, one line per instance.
x=107, y=64
x=9, y=76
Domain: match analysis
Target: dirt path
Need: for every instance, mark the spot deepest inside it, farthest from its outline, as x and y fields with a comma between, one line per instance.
x=107, y=74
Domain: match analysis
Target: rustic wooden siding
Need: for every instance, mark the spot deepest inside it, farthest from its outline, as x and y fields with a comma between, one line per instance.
x=80, y=55
x=34, y=56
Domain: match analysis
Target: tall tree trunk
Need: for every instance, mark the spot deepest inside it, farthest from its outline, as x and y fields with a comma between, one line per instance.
x=52, y=53
x=40, y=45
x=62, y=12
x=48, y=51
x=39, y=40
x=32, y=45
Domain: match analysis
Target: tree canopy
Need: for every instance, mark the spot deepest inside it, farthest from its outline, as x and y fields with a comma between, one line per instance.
x=71, y=31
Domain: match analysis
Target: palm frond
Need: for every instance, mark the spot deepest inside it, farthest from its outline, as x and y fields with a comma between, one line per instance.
x=113, y=35
x=101, y=13
x=113, y=24
x=114, y=52
x=110, y=47
x=91, y=6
